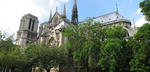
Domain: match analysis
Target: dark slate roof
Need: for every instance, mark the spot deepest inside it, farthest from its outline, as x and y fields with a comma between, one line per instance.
x=109, y=18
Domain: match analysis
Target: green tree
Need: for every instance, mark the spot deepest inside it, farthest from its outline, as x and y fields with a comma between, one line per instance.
x=140, y=47
x=115, y=54
x=52, y=57
x=10, y=54
x=83, y=45
x=32, y=54
x=45, y=57
x=145, y=6
x=91, y=47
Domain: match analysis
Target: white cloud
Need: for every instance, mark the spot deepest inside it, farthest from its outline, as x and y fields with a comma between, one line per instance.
x=64, y=0
x=11, y=11
x=140, y=22
x=138, y=11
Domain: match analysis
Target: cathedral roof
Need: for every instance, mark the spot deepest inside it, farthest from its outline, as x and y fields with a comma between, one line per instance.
x=110, y=18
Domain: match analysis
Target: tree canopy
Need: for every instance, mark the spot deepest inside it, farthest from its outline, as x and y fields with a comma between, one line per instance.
x=145, y=6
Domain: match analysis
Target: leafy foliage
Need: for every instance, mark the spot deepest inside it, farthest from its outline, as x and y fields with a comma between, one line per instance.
x=145, y=6
x=91, y=47
x=83, y=45
x=141, y=47
x=44, y=56
x=10, y=54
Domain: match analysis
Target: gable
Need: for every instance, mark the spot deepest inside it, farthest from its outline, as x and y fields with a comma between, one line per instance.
x=56, y=19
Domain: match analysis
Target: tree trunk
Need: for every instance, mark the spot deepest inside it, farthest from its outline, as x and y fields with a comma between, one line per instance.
x=12, y=69
x=6, y=70
x=60, y=68
x=87, y=67
x=3, y=69
x=34, y=69
x=48, y=70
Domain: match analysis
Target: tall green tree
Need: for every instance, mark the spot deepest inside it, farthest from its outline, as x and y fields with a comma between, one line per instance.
x=141, y=48
x=32, y=54
x=115, y=54
x=94, y=48
x=83, y=45
x=11, y=57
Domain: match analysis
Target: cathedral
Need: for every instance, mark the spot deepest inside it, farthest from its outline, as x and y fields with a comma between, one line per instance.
x=50, y=32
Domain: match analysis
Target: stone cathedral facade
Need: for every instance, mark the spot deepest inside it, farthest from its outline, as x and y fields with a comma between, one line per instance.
x=50, y=32
x=27, y=33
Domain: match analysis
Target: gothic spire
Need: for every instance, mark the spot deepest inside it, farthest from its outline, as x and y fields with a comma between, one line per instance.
x=50, y=17
x=64, y=12
x=56, y=8
x=75, y=13
x=134, y=26
x=65, y=9
x=117, y=8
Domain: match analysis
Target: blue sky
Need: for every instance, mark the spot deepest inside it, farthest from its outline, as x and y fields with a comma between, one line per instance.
x=13, y=10
x=94, y=8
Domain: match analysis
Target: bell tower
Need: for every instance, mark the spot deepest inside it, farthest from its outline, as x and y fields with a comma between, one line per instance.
x=27, y=33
